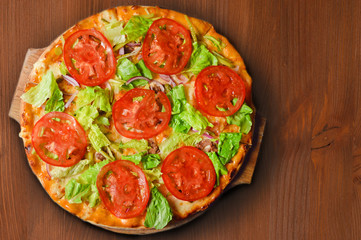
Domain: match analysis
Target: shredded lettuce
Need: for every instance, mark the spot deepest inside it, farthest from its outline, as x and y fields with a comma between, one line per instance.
x=184, y=114
x=98, y=140
x=218, y=166
x=135, y=158
x=222, y=60
x=144, y=70
x=191, y=28
x=177, y=98
x=126, y=69
x=102, y=120
x=63, y=69
x=136, y=27
x=176, y=140
x=200, y=59
x=55, y=102
x=112, y=32
x=228, y=146
x=86, y=116
x=242, y=118
x=96, y=96
x=138, y=145
x=216, y=42
x=194, y=118
x=179, y=125
x=84, y=187
x=159, y=213
x=63, y=172
x=47, y=87
x=154, y=176
x=151, y=161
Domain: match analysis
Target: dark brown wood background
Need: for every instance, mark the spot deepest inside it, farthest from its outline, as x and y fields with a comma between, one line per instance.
x=304, y=57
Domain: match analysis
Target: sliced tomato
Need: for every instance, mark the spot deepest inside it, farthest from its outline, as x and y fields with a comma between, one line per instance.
x=188, y=173
x=141, y=113
x=123, y=188
x=89, y=57
x=219, y=91
x=167, y=47
x=59, y=140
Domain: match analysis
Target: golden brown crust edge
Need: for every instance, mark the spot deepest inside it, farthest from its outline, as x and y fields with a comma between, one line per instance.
x=29, y=114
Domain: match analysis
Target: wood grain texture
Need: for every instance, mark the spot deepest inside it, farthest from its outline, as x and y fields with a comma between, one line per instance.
x=304, y=58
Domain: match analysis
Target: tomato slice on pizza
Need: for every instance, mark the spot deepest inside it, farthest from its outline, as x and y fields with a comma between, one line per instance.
x=219, y=91
x=123, y=188
x=59, y=140
x=141, y=113
x=188, y=173
x=167, y=47
x=89, y=57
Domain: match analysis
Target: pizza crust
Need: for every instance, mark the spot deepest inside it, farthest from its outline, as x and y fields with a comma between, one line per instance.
x=100, y=215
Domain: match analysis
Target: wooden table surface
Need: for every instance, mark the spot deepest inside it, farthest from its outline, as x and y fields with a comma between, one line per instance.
x=304, y=57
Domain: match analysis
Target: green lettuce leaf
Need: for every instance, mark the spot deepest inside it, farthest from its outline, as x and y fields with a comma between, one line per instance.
x=63, y=69
x=86, y=116
x=98, y=140
x=138, y=145
x=184, y=114
x=179, y=125
x=144, y=70
x=200, y=59
x=242, y=118
x=177, y=98
x=90, y=175
x=218, y=166
x=55, y=102
x=216, y=42
x=127, y=69
x=84, y=187
x=135, y=158
x=159, y=213
x=194, y=118
x=228, y=146
x=154, y=176
x=112, y=31
x=151, y=161
x=222, y=60
x=102, y=120
x=176, y=140
x=95, y=96
x=136, y=27
x=63, y=172
x=74, y=191
x=37, y=95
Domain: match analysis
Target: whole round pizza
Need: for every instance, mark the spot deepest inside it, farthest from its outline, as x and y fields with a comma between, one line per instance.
x=137, y=117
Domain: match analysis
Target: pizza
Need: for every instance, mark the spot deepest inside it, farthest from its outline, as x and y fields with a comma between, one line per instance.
x=137, y=117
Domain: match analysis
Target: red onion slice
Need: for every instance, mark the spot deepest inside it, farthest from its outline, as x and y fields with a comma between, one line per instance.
x=207, y=135
x=158, y=84
x=180, y=79
x=121, y=51
x=70, y=100
x=168, y=79
x=136, y=78
x=133, y=44
x=47, y=169
x=71, y=80
x=107, y=85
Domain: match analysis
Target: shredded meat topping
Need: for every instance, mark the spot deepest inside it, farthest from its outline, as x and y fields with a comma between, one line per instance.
x=99, y=156
x=207, y=145
x=153, y=147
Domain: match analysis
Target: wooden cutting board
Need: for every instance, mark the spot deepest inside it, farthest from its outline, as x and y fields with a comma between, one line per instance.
x=244, y=175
